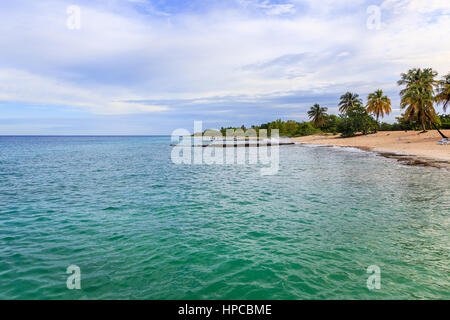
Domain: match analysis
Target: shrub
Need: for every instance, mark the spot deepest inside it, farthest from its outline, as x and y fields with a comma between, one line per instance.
x=355, y=120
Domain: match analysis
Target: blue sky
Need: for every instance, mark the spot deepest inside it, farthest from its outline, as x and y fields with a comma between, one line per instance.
x=149, y=67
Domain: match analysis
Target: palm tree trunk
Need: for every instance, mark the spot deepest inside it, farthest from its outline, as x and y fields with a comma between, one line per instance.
x=423, y=126
x=434, y=125
x=442, y=135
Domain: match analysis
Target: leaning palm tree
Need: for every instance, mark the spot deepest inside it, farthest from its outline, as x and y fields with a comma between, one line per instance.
x=378, y=104
x=418, y=96
x=348, y=101
x=418, y=105
x=318, y=115
x=443, y=94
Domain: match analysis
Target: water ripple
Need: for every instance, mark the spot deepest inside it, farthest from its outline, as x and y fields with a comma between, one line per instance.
x=141, y=227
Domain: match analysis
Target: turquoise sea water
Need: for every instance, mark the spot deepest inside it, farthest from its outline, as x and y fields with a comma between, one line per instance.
x=140, y=227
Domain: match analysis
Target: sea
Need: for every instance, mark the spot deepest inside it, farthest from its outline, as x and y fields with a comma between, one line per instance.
x=118, y=216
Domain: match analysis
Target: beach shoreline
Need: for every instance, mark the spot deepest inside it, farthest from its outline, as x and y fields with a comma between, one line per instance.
x=408, y=147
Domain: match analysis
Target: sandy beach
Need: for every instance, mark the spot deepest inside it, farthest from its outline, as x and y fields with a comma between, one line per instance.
x=411, y=146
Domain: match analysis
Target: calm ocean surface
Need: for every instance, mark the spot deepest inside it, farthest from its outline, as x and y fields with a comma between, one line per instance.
x=140, y=227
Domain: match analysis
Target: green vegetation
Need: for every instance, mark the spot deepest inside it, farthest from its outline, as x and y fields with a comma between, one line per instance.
x=418, y=96
x=318, y=115
x=356, y=119
x=445, y=121
x=421, y=91
x=378, y=104
x=349, y=101
x=443, y=92
x=288, y=128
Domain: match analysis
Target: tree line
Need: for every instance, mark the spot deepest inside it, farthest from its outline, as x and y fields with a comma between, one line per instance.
x=420, y=92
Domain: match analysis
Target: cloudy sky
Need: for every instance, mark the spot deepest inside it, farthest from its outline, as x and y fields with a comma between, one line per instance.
x=151, y=66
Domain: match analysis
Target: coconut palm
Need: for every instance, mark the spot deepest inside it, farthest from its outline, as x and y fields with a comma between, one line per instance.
x=443, y=94
x=318, y=115
x=418, y=96
x=378, y=104
x=348, y=101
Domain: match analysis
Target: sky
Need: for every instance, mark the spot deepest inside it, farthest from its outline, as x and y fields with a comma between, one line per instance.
x=148, y=67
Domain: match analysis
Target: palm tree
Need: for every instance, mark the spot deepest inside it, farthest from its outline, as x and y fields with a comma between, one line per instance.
x=318, y=115
x=443, y=95
x=378, y=104
x=418, y=96
x=348, y=101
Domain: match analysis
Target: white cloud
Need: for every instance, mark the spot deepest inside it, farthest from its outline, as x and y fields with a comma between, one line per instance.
x=416, y=6
x=121, y=55
x=20, y=86
x=268, y=7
